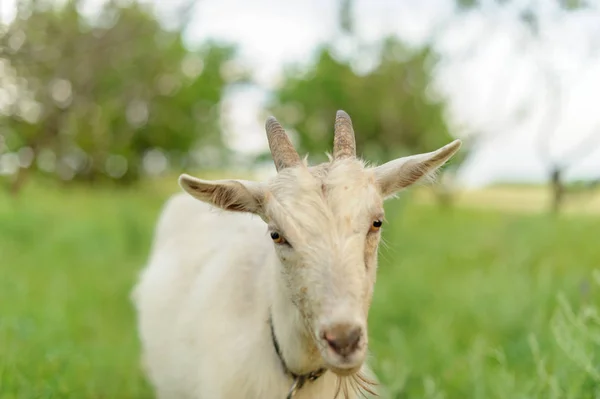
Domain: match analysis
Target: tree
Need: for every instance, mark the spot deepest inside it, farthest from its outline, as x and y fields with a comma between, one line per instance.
x=96, y=98
x=530, y=17
x=393, y=108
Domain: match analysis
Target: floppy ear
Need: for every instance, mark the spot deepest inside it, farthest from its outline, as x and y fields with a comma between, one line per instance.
x=230, y=195
x=400, y=173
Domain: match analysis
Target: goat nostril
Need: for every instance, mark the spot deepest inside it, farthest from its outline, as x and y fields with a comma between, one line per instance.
x=344, y=340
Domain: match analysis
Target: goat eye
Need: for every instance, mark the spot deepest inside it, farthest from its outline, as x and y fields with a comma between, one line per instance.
x=376, y=225
x=277, y=238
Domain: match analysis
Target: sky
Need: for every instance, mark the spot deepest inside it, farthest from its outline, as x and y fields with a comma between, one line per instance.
x=505, y=74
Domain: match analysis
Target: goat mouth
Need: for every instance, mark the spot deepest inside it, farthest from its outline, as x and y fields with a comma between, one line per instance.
x=344, y=365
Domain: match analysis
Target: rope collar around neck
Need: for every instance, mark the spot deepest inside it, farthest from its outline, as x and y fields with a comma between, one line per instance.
x=299, y=379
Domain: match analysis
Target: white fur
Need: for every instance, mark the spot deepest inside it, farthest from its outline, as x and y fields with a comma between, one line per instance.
x=203, y=309
x=214, y=277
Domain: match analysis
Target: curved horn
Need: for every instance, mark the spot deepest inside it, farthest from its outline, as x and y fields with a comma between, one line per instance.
x=282, y=150
x=344, y=144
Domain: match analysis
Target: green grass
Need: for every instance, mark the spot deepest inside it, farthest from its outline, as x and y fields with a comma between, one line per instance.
x=468, y=304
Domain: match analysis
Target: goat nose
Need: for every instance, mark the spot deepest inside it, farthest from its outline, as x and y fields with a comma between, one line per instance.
x=343, y=338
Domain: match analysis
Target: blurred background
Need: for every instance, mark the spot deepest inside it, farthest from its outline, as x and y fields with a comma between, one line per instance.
x=489, y=279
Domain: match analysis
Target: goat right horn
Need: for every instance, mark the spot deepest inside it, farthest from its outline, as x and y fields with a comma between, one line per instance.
x=344, y=144
x=283, y=152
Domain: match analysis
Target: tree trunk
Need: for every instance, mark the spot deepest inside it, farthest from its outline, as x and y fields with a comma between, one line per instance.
x=444, y=197
x=557, y=188
x=18, y=181
x=444, y=190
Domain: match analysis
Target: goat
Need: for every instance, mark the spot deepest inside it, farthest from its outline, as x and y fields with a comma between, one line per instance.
x=235, y=306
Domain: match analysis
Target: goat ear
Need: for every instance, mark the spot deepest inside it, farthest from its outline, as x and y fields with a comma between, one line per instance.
x=231, y=195
x=400, y=173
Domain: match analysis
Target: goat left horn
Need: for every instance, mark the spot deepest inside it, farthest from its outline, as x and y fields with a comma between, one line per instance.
x=283, y=152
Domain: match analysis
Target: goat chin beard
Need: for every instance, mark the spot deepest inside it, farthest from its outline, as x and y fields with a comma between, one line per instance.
x=353, y=380
x=345, y=372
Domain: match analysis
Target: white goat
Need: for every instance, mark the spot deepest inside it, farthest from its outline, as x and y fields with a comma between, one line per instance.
x=232, y=306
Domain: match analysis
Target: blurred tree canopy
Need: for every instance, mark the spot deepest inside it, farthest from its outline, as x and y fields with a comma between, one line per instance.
x=533, y=16
x=109, y=97
x=394, y=109
x=565, y=4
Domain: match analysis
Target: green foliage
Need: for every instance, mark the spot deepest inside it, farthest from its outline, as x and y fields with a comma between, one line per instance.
x=468, y=304
x=487, y=305
x=66, y=324
x=99, y=94
x=467, y=4
x=393, y=107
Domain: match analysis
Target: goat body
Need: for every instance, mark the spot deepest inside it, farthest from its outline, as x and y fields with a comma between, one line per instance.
x=204, y=302
x=218, y=293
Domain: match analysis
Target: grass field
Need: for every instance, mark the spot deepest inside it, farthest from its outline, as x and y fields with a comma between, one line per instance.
x=468, y=304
